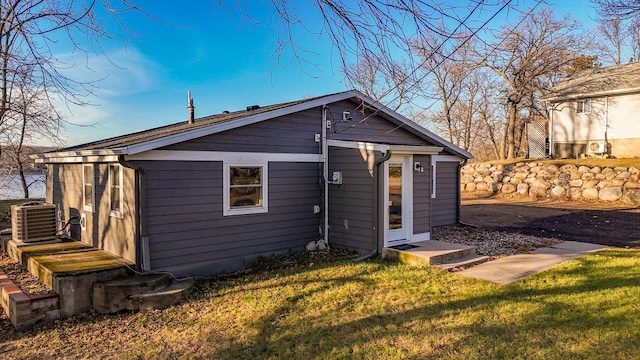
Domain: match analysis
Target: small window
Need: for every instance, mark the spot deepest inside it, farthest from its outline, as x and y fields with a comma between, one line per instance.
x=88, y=184
x=583, y=106
x=115, y=191
x=245, y=190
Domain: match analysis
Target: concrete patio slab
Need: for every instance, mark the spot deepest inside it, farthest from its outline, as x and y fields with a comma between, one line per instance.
x=512, y=268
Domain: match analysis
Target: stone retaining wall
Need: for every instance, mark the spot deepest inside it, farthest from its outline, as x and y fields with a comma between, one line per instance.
x=568, y=182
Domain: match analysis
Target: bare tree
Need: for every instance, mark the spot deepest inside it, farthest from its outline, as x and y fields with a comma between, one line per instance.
x=446, y=65
x=613, y=33
x=30, y=118
x=617, y=9
x=29, y=29
x=540, y=46
x=372, y=29
x=389, y=84
x=634, y=38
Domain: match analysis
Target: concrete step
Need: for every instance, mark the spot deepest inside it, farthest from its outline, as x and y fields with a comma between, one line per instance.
x=463, y=262
x=116, y=295
x=429, y=252
x=162, y=298
x=452, y=255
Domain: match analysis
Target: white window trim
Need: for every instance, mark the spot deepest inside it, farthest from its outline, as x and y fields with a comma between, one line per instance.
x=93, y=189
x=434, y=169
x=120, y=212
x=226, y=186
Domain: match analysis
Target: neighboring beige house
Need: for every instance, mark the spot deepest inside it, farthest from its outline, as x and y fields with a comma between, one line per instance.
x=596, y=112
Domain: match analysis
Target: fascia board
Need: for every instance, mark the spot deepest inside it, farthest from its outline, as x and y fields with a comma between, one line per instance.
x=361, y=145
x=411, y=149
x=77, y=156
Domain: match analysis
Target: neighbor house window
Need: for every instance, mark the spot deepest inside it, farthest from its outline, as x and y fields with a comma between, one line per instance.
x=245, y=189
x=88, y=184
x=115, y=191
x=583, y=106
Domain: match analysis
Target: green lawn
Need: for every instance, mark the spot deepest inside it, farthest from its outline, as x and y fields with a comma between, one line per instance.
x=587, y=308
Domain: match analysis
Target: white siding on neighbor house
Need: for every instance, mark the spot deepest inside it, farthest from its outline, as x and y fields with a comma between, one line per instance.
x=624, y=117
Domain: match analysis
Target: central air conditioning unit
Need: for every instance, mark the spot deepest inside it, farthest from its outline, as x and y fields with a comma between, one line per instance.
x=596, y=147
x=33, y=222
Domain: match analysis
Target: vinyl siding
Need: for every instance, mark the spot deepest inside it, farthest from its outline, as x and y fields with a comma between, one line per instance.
x=294, y=133
x=445, y=204
x=351, y=218
x=112, y=234
x=367, y=127
x=188, y=233
x=422, y=196
x=571, y=131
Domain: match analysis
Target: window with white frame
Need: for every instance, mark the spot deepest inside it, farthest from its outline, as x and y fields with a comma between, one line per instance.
x=115, y=190
x=245, y=189
x=583, y=106
x=88, y=186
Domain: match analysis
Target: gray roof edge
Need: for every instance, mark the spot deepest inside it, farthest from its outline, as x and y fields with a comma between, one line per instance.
x=557, y=98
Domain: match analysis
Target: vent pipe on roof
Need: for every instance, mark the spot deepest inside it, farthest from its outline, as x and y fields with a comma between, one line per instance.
x=190, y=107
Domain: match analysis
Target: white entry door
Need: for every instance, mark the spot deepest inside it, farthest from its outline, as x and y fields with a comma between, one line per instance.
x=399, y=200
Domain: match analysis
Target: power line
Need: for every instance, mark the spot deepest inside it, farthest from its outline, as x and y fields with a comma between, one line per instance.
x=414, y=71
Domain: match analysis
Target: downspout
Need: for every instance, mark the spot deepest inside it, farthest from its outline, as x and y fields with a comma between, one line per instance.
x=325, y=174
x=141, y=239
x=376, y=217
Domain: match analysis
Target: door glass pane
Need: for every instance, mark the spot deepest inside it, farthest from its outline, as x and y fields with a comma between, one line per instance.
x=395, y=197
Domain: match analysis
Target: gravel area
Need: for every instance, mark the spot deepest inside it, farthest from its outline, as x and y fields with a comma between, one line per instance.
x=491, y=243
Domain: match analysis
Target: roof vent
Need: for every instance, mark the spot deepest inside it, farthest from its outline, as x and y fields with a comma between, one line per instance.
x=225, y=112
x=253, y=107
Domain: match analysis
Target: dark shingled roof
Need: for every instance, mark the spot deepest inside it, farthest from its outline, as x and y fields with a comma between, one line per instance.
x=597, y=82
x=151, y=139
x=177, y=128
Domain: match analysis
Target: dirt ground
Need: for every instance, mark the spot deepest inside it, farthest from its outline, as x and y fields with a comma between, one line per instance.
x=612, y=224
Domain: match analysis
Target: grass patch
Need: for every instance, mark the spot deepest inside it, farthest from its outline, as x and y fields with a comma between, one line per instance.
x=586, y=162
x=584, y=309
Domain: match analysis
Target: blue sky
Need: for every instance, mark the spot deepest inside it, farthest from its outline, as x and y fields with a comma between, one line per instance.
x=225, y=61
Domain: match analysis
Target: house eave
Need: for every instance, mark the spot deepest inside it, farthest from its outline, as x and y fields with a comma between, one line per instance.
x=384, y=148
x=595, y=94
x=108, y=155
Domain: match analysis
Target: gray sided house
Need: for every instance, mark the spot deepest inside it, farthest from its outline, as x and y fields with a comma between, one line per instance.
x=596, y=112
x=211, y=195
